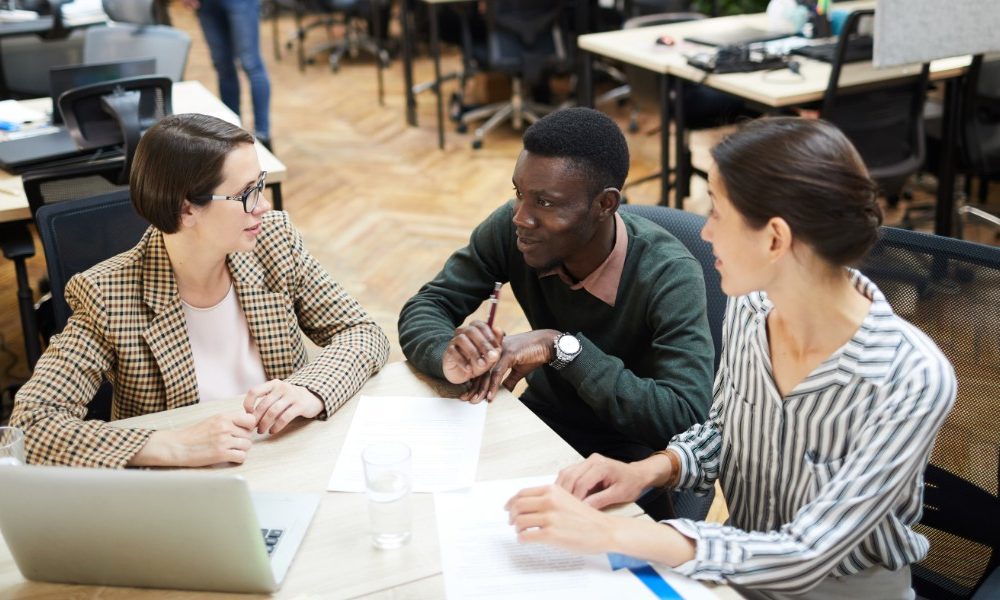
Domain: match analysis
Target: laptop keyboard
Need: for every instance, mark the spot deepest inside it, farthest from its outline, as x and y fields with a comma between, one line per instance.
x=859, y=49
x=271, y=537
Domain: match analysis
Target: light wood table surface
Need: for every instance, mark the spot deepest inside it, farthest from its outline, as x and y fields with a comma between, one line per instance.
x=188, y=97
x=337, y=559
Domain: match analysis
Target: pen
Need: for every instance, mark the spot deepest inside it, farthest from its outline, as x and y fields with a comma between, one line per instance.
x=494, y=298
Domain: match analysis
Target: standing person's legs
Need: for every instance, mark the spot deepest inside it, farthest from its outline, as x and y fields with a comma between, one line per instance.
x=244, y=26
x=215, y=27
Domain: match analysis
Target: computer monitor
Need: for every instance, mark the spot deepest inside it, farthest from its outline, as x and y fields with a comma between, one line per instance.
x=62, y=79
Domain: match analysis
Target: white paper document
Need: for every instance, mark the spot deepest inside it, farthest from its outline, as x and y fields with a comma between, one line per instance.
x=482, y=559
x=16, y=113
x=444, y=436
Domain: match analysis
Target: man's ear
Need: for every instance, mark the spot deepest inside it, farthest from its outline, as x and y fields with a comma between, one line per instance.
x=608, y=201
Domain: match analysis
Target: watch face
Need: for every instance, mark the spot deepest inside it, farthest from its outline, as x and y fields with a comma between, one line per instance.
x=569, y=344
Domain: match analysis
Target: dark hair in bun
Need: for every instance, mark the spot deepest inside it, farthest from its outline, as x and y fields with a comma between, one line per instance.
x=808, y=173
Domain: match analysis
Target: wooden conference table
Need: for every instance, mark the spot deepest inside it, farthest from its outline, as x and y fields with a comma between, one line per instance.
x=337, y=560
x=188, y=97
x=769, y=89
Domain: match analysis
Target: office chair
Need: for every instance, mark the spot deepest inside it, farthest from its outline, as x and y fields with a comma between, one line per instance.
x=123, y=41
x=624, y=15
x=136, y=12
x=116, y=112
x=686, y=227
x=950, y=289
x=18, y=246
x=978, y=150
x=357, y=19
x=526, y=39
x=981, y=133
x=884, y=120
x=98, y=116
x=705, y=108
x=76, y=235
x=26, y=61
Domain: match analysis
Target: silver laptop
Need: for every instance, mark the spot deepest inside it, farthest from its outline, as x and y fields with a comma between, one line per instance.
x=161, y=529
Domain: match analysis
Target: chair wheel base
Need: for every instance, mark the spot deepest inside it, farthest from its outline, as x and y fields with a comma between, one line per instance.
x=477, y=144
x=462, y=128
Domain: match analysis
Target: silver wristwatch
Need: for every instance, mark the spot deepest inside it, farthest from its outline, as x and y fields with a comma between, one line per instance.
x=567, y=348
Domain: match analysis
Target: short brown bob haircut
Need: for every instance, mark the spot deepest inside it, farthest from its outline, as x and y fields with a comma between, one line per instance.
x=178, y=159
x=808, y=173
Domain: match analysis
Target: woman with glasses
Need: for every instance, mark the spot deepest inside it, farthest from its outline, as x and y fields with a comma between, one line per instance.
x=826, y=403
x=208, y=306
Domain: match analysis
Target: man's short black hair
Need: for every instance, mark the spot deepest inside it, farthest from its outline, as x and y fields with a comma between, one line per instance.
x=589, y=139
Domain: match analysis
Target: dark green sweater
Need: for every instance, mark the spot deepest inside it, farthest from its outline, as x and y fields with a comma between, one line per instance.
x=645, y=370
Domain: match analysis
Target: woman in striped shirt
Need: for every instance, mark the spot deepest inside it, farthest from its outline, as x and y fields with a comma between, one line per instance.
x=826, y=403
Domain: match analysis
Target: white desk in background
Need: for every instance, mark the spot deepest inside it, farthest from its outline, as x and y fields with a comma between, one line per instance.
x=765, y=88
x=188, y=97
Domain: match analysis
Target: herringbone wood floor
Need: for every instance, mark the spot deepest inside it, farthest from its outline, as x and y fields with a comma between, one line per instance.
x=379, y=205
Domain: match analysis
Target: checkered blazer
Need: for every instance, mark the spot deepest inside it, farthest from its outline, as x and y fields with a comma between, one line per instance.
x=128, y=325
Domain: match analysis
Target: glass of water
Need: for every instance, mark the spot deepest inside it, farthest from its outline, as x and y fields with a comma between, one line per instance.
x=11, y=446
x=388, y=481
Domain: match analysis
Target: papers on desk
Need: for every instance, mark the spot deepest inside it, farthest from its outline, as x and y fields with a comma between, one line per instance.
x=13, y=112
x=482, y=559
x=17, y=16
x=444, y=436
x=81, y=11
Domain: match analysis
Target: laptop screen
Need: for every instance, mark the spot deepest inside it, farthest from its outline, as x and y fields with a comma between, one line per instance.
x=62, y=79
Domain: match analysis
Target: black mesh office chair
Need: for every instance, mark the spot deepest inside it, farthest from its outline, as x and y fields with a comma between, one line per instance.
x=883, y=120
x=355, y=17
x=950, y=289
x=686, y=227
x=981, y=121
x=109, y=117
x=527, y=40
x=98, y=116
x=76, y=235
x=978, y=152
x=18, y=246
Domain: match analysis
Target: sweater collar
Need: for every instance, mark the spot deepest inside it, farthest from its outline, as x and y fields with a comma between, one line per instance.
x=602, y=283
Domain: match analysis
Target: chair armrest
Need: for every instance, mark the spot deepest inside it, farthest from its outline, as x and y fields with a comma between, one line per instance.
x=16, y=242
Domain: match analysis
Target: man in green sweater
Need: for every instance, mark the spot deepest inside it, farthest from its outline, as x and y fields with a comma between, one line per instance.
x=620, y=356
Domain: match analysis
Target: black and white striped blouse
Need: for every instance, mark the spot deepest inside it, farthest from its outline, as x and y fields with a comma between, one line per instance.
x=829, y=479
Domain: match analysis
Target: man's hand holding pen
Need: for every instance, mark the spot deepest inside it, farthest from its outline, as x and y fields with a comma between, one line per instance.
x=473, y=351
x=519, y=355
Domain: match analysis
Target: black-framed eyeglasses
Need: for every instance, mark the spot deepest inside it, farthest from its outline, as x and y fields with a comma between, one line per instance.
x=249, y=197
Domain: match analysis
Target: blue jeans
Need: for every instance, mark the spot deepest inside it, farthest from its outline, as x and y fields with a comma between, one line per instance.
x=232, y=31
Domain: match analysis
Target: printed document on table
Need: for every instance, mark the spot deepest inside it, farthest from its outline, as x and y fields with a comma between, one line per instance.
x=482, y=560
x=444, y=436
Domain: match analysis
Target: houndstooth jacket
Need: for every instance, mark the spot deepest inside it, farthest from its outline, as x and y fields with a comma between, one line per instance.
x=128, y=325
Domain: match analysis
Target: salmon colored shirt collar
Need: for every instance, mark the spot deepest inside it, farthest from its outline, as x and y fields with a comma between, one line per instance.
x=603, y=282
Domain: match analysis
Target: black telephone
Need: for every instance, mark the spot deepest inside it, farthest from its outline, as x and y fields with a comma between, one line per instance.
x=736, y=58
